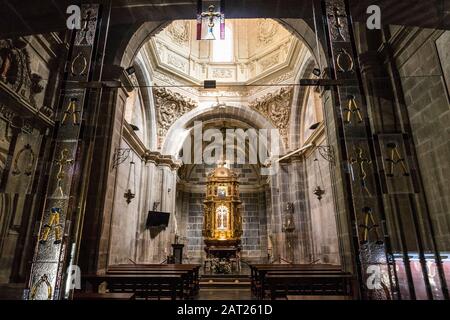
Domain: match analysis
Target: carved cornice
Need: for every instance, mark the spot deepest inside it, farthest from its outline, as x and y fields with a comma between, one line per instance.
x=146, y=155
x=169, y=107
x=276, y=107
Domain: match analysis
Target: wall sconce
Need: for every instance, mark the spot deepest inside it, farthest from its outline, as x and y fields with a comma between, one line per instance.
x=120, y=156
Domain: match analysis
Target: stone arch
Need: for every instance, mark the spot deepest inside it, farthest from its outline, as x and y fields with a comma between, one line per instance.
x=143, y=76
x=181, y=128
x=299, y=103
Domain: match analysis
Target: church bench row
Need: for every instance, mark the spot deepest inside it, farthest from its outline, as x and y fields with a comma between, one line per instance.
x=282, y=285
x=189, y=282
x=260, y=272
x=144, y=286
x=150, y=280
x=193, y=270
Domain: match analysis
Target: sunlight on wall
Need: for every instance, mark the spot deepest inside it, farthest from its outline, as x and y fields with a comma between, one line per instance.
x=223, y=49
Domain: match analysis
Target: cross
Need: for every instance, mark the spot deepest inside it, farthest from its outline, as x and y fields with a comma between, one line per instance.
x=211, y=14
x=61, y=162
x=361, y=160
x=337, y=16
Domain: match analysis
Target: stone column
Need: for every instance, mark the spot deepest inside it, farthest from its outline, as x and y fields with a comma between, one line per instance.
x=302, y=215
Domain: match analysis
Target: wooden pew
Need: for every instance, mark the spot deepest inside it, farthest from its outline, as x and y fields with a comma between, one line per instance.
x=192, y=277
x=144, y=286
x=259, y=272
x=282, y=285
x=186, y=276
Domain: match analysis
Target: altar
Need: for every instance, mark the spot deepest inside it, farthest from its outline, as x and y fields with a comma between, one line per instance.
x=222, y=224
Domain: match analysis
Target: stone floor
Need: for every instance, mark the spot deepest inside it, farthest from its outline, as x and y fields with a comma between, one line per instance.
x=224, y=294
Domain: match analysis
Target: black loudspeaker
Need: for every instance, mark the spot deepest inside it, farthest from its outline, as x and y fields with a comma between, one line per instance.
x=158, y=219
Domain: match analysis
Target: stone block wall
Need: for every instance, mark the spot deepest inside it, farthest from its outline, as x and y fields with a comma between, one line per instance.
x=424, y=67
x=254, y=223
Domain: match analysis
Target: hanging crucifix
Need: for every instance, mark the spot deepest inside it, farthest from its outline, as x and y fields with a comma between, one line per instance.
x=208, y=14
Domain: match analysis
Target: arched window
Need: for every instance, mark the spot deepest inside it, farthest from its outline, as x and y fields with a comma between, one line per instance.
x=223, y=50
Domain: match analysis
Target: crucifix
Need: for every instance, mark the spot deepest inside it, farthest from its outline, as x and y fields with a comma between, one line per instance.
x=352, y=110
x=361, y=160
x=61, y=162
x=338, y=25
x=211, y=14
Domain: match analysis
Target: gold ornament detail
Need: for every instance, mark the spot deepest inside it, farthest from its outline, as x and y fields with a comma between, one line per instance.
x=42, y=280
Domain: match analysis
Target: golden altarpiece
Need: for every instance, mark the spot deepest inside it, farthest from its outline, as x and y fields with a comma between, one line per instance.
x=222, y=225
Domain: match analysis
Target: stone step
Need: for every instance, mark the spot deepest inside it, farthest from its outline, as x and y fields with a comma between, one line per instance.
x=224, y=282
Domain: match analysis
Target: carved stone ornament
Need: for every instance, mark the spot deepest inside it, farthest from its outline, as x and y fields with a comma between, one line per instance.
x=276, y=108
x=267, y=29
x=179, y=31
x=170, y=106
x=15, y=70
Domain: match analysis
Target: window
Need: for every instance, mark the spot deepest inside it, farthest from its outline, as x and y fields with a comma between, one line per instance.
x=223, y=50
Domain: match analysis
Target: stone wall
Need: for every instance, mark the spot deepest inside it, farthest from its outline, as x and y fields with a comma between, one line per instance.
x=424, y=67
x=254, y=224
x=323, y=214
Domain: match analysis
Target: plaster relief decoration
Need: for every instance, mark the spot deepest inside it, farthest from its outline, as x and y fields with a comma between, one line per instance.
x=222, y=73
x=276, y=108
x=270, y=61
x=170, y=106
x=177, y=62
x=267, y=29
x=179, y=31
x=15, y=70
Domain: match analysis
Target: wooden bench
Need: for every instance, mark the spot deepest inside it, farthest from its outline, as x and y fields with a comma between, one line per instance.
x=259, y=272
x=143, y=286
x=282, y=285
x=190, y=272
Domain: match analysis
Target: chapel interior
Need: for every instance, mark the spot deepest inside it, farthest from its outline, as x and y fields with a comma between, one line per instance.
x=224, y=150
